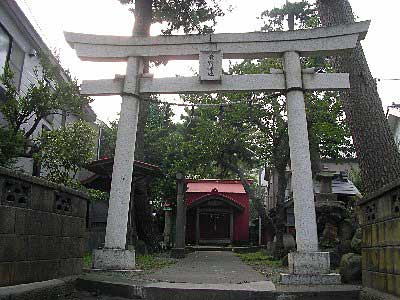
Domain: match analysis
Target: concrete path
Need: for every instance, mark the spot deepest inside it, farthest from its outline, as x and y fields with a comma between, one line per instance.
x=216, y=267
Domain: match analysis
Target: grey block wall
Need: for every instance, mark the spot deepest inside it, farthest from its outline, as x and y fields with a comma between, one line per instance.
x=381, y=240
x=42, y=229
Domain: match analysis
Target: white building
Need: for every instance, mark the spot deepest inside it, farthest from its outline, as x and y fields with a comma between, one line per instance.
x=19, y=45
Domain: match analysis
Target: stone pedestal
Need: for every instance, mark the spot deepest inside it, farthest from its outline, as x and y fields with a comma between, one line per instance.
x=113, y=259
x=309, y=268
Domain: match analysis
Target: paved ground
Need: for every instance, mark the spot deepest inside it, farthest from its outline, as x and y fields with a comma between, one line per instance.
x=208, y=267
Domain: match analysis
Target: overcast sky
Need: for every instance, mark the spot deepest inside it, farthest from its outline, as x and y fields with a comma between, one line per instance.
x=52, y=17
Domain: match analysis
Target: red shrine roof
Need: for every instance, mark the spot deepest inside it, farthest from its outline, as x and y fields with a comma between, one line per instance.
x=208, y=185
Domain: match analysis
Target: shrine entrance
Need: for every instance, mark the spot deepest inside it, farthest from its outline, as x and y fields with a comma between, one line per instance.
x=214, y=227
x=306, y=266
x=212, y=221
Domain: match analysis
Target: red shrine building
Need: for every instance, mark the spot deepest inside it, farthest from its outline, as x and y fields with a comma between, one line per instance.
x=217, y=212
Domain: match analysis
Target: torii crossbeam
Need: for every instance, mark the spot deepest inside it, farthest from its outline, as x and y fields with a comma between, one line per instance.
x=307, y=265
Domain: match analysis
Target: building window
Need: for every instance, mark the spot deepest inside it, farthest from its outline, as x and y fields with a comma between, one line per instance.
x=12, y=53
x=17, y=58
x=5, y=48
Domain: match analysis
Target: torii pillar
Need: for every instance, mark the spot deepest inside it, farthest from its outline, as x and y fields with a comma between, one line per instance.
x=115, y=256
x=307, y=265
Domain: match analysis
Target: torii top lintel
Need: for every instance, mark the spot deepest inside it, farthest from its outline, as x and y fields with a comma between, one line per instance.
x=311, y=42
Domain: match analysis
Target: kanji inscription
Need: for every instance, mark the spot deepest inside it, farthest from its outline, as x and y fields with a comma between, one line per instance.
x=210, y=65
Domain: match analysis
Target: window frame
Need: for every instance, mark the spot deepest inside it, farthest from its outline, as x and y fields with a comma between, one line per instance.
x=9, y=44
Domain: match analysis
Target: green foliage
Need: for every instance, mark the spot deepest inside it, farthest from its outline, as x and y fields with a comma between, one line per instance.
x=189, y=15
x=108, y=139
x=64, y=151
x=87, y=260
x=96, y=195
x=356, y=178
x=259, y=258
x=153, y=262
x=11, y=145
x=328, y=130
x=304, y=13
x=49, y=95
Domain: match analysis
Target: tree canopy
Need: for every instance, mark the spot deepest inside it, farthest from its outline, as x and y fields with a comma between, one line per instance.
x=189, y=15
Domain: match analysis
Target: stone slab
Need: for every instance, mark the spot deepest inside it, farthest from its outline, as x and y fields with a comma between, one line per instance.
x=114, y=259
x=304, y=279
x=311, y=263
x=208, y=267
x=184, y=291
x=44, y=290
x=109, y=286
x=318, y=292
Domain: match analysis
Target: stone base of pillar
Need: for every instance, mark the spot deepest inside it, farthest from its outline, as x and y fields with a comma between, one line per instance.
x=303, y=279
x=309, y=268
x=113, y=259
x=178, y=252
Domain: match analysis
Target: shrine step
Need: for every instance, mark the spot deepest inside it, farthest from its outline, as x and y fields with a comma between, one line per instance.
x=223, y=248
x=318, y=292
x=263, y=290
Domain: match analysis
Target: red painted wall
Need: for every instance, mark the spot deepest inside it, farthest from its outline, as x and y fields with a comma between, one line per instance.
x=241, y=219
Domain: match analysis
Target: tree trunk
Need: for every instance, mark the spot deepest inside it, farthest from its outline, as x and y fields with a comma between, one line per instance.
x=377, y=153
x=143, y=213
x=280, y=159
x=280, y=216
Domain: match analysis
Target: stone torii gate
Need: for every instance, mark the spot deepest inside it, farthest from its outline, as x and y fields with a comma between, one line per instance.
x=307, y=265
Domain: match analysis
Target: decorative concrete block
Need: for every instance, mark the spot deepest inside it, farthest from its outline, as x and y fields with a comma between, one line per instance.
x=303, y=279
x=114, y=259
x=72, y=226
x=366, y=278
x=7, y=219
x=364, y=259
x=5, y=274
x=396, y=232
x=389, y=255
x=51, y=223
x=381, y=234
x=68, y=267
x=311, y=263
x=382, y=260
x=396, y=260
x=373, y=260
x=374, y=235
x=42, y=198
x=397, y=285
x=8, y=248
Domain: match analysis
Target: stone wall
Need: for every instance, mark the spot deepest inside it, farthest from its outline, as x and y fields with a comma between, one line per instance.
x=42, y=229
x=381, y=239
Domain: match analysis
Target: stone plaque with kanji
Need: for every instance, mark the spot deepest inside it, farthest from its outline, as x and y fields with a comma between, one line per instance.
x=210, y=65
